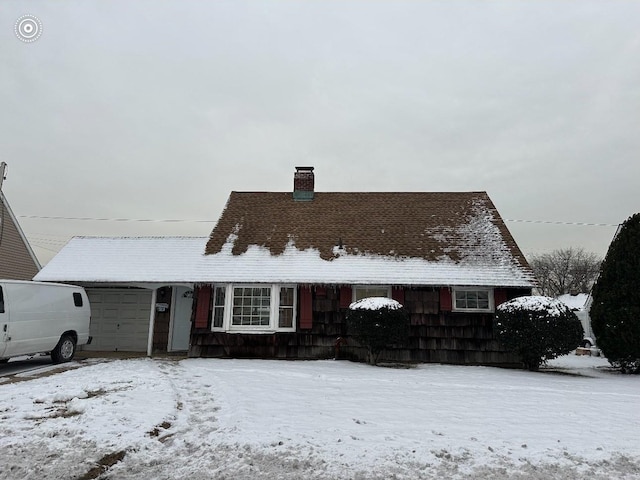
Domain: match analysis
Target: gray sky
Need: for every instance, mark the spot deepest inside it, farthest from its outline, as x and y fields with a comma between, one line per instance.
x=158, y=109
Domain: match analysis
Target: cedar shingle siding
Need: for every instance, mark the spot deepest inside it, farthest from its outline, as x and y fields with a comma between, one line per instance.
x=17, y=261
x=436, y=336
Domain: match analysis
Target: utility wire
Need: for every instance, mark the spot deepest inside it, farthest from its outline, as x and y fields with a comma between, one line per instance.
x=151, y=220
x=550, y=222
x=44, y=248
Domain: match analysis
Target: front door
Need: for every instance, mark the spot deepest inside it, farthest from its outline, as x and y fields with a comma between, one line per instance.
x=181, y=319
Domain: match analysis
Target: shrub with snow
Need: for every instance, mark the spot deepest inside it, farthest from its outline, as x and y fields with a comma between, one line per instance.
x=537, y=328
x=377, y=323
x=615, y=312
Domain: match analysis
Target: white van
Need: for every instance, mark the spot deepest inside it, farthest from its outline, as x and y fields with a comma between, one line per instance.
x=39, y=317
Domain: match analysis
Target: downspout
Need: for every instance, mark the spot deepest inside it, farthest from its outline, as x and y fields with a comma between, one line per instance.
x=152, y=321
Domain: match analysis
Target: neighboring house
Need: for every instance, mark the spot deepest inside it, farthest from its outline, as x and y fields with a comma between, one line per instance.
x=580, y=304
x=140, y=289
x=282, y=269
x=17, y=260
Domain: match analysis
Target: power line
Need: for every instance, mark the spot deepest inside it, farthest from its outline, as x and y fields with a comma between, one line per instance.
x=148, y=220
x=152, y=220
x=551, y=222
x=44, y=248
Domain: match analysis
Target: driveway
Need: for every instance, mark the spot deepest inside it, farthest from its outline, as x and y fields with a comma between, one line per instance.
x=31, y=363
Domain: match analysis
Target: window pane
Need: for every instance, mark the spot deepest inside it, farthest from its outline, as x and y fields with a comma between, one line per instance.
x=252, y=306
x=472, y=299
x=218, y=316
x=219, y=296
x=286, y=296
x=365, y=292
x=286, y=318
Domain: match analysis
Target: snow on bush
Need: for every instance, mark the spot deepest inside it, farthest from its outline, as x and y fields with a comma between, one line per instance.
x=375, y=303
x=537, y=328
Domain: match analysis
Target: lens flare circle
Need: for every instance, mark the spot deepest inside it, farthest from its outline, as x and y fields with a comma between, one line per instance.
x=28, y=28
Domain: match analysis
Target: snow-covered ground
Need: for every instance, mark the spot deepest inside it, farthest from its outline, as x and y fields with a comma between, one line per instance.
x=253, y=419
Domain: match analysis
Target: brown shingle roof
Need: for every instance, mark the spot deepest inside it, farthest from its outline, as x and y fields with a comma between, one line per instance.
x=428, y=225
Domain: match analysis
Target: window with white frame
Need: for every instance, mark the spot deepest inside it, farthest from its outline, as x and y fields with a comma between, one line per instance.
x=219, y=295
x=249, y=308
x=366, y=291
x=286, y=312
x=473, y=299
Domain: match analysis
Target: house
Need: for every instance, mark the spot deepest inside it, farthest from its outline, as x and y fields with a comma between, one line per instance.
x=580, y=304
x=282, y=269
x=140, y=289
x=17, y=260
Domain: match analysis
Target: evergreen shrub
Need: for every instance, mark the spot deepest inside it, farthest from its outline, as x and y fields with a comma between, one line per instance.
x=377, y=323
x=615, y=311
x=537, y=328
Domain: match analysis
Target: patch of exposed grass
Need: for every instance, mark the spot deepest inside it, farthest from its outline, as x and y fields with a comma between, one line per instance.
x=104, y=464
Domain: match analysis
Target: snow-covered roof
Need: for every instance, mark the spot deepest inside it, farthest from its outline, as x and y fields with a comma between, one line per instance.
x=438, y=239
x=424, y=238
x=126, y=260
x=575, y=302
x=293, y=265
x=181, y=260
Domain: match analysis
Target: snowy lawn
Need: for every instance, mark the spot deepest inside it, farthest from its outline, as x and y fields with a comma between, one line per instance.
x=252, y=419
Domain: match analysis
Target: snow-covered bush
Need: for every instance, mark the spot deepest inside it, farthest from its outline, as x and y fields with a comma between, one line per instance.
x=377, y=323
x=615, y=312
x=537, y=328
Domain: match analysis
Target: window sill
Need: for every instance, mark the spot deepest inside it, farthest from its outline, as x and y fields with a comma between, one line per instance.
x=244, y=331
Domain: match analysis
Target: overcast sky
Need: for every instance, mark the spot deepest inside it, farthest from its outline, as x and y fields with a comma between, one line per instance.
x=158, y=109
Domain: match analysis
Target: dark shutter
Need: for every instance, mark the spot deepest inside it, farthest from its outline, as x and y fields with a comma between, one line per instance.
x=203, y=299
x=397, y=293
x=345, y=296
x=306, y=310
x=445, y=299
x=499, y=296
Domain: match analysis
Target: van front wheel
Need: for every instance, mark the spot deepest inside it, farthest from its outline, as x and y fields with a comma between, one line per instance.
x=65, y=350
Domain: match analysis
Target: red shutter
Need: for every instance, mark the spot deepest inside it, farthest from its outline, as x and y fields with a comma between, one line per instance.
x=306, y=310
x=445, y=299
x=203, y=299
x=345, y=296
x=397, y=293
x=499, y=296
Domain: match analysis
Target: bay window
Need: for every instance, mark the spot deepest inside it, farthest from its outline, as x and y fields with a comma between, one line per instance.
x=254, y=308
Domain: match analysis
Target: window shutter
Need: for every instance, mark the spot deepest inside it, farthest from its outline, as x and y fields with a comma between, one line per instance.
x=306, y=308
x=345, y=296
x=445, y=299
x=203, y=302
x=499, y=296
x=397, y=293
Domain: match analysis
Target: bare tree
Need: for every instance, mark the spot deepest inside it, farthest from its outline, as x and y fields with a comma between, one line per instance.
x=568, y=270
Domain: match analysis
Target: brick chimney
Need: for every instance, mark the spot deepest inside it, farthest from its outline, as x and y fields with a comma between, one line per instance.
x=303, y=181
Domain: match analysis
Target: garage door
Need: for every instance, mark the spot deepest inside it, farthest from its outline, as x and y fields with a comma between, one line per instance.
x=119, y=319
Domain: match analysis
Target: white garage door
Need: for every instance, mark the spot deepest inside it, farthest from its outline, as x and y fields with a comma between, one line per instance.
x=119, y=319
